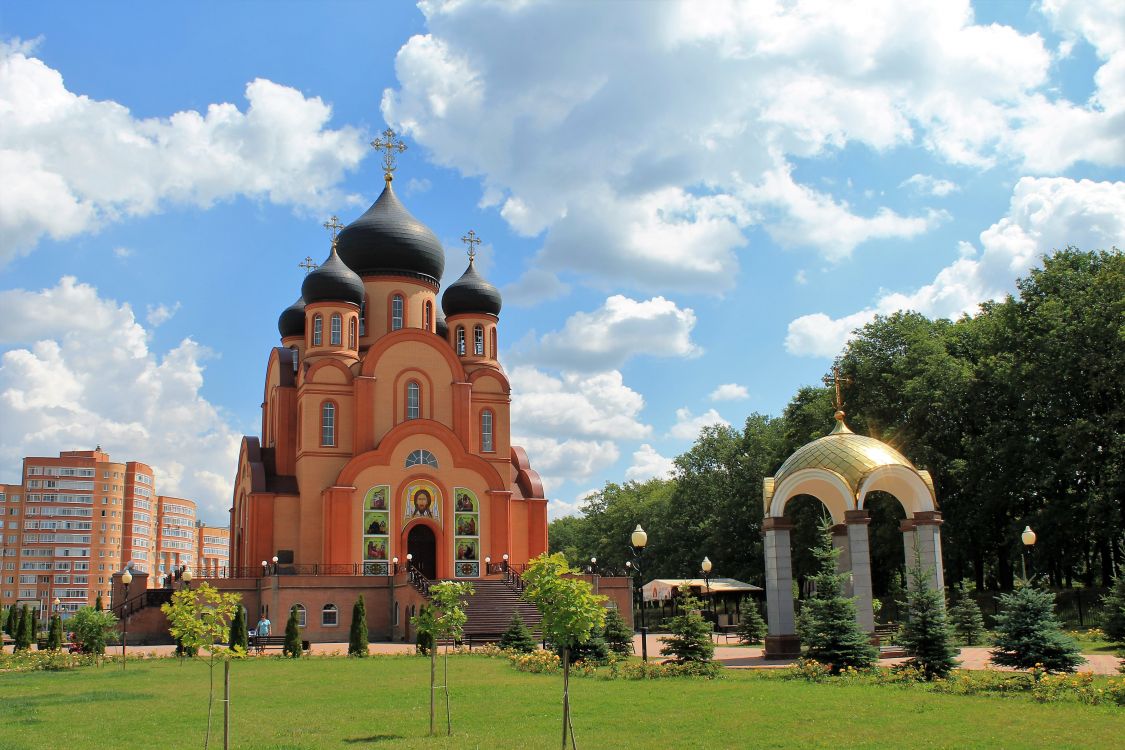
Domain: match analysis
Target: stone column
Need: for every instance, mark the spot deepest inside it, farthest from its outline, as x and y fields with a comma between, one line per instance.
x=782, y=641
x=907, y=528
x=844, y=559
x=859, y=551
x=927, y=528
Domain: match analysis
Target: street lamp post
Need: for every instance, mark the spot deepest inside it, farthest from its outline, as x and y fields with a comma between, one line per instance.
x=265, y=568
x=638, y=539
x=126, y=579
x=186, y=578
x=706, y=565
x=1028, y=539
x=275, y=564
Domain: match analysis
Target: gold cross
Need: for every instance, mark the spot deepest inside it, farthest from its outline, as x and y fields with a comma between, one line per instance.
x=388, y=143
x=334, y=226
x=471, y=240
x=838, y=380
x=308, y=265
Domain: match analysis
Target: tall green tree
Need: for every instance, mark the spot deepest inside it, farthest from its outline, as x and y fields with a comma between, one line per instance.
x=1028, y=633
x=357, y=636
x=1113, y=611
x=13, y=620
x=92, y=629
x=689, y=635
x=965, y=615
x=25, y=630
x=55, y=633
x=925, y=634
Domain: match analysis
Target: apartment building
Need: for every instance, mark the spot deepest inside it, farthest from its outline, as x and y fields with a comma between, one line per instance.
x=212, y=548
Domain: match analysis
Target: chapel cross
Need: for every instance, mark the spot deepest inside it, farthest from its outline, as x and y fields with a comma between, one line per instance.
x=838, y=381
x=388, y=144
x=334, y=226
x=471, y=240
x=308, y=265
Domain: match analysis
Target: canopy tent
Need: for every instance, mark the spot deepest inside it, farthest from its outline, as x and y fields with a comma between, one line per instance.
x=664, y=589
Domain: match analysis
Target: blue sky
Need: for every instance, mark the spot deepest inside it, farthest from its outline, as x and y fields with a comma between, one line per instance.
x=688, y=206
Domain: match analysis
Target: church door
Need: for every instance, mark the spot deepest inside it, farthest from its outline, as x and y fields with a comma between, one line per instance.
x=423, y=546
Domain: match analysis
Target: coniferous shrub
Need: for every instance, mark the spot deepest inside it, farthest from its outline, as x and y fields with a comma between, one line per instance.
x=689, y=635
x=925, y=633
x=25, y=630
x=965, y=616
x=593, y=651
x=13, y=620
x=239, y=635
x=517, y=637
x=827, y=623
x=98, y=606
x=1113, y=611
x=54, y=633
x=292, y=646
x=1028, y=633
x=751, y=628
x=357, y=637
x=618, y=636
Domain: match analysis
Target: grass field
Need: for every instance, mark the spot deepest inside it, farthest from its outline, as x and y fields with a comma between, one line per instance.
x=382, y=702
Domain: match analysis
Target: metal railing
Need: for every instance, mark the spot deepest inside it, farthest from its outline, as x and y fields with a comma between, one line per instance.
x=418, y=580
x=281, y=569
x=147, y=598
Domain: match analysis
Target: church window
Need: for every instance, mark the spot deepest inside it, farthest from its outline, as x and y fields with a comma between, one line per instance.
x=396, y=312
x=413, y=400
x=329, y=616
x=492, y=335
x=429, y=308
x=486, y=444
x=460, y=341
x=336, y=334
x=318, y=330
x=300, y=615
x=351, y=333
x=328, y=424
x=421, y=457
x=478, y=341
x=363, y=318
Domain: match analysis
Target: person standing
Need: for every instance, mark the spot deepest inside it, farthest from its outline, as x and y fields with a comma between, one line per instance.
x=262, y=630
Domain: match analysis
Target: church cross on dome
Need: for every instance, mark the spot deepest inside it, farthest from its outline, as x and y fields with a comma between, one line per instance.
x=334, y=226
x=472, y=241
x=388, y=143
x=308, y=265
x=838, y=381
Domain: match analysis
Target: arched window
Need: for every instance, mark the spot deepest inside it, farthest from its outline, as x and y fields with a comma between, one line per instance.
x=478, y=341
x=413, y=400
x=486, y=444
x=492, y=335
x=329, y=616
x=328, y=424
x=421, y=457
x=351, y=333
x=336, y=332
x=396, y=312
x=300, y=615
x=460, y=341
x=296, y=357
x=429, y=317
x=363, y=318
x=318, y=330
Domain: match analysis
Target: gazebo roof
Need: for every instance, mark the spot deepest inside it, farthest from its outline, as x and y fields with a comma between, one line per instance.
x=662, y=589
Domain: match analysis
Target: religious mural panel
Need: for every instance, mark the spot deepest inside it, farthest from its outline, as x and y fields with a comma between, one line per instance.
x=466, y=540
x=376, y=544
x=422, y=500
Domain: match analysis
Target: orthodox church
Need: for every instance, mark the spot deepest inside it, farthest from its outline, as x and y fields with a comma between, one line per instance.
x=385, y=417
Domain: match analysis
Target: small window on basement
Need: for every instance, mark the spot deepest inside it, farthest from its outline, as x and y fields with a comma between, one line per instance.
x=329, y=616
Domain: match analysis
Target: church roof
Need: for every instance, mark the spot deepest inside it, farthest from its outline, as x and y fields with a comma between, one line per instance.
x=333, y=281
x=292, y=319
x=842, y=451
x=386, y=239
x=471, y=294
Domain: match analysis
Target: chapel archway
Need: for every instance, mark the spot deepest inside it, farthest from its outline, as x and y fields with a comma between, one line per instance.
x=421, y=544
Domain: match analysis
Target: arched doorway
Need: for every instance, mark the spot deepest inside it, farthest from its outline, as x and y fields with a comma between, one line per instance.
x=422, y=545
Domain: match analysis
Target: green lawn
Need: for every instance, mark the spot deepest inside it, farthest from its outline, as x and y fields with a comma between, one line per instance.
x=382, y=702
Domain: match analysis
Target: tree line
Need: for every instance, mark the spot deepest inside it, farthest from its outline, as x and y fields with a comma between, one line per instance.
x=1017, y=412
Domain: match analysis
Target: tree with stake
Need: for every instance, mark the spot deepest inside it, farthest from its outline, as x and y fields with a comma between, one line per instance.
x=827, y=623
x=292, y=647
x=23, y=636
x=517, y=637
x=689, y=635
x=571, y=612
x=925, y=634
x=200, y=619
x=357, y=637
x=965, y=615
x=448, y=623
x=1029, y=634
x=239, y=636
x=618, y=635
x=751, y=628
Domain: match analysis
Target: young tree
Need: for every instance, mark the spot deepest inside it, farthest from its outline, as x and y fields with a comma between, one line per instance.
x=292, y=647
x=92, y=629
x=357, y=637
x=1113, y=611
x=200, y=618
x=23, y=627
x=618, y=635
x=517, y=637
x=827, y=623
x=965, y=615
x=54, y=633
x=98, y=603
x=689, y=636
x=1028, y=633
x=925, y=634
x=239, y=635
x=751, y=628
x=444, y=620
x=424, y=626
x=571, y=614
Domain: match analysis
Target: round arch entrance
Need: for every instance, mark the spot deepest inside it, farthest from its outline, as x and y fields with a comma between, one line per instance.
x=421, y=544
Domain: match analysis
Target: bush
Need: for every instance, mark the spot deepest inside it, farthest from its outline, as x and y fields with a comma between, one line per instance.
x=1113, y=611
x=689, y=635
x=357, y=637
x=1028, y=633
x=292, y=646
x=536, y=662
x=424, y=626
x=618, y=636
x=752, y=628
x=92, y=629
x=517, y=637
x=966, y=617
x=55, y=634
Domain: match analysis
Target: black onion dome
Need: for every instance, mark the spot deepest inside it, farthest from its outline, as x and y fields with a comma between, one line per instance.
x=441, y=325
x=292, y=319
x=386, y=239
x=333, y=281
x=471, y=294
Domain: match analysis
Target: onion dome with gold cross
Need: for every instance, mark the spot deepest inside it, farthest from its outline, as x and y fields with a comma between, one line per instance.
x=333, y=281
x=387, y=239
x=471, y=293
x=292, y=320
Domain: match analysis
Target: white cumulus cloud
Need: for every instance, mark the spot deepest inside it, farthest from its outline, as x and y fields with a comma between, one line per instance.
x=687, y=425
x=929, y=185
x=649, y=464
x=729, y=392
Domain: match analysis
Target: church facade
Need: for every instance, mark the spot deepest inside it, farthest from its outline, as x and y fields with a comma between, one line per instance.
x=385, y=437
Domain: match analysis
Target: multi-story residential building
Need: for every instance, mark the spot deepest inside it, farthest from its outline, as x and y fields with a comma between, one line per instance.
x=11, y=506
x=212, y=549
x=176, y=544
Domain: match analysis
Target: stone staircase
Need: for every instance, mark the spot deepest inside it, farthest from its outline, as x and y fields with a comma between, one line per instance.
x=490, y=610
